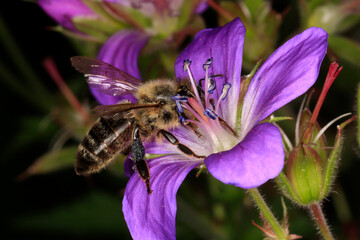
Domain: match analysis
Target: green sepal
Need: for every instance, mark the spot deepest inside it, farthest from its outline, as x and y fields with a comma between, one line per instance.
x=97, y=28
x=278, y=119
x=129, y=15
x=321, y=143
x=100, y=10
x=283, y=182
x=75, y=35
x=304, y=171
x=333, y=161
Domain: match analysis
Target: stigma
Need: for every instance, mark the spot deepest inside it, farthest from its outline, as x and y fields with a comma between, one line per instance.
x=205, y=106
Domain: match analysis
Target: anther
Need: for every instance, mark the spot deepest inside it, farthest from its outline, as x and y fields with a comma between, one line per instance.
x=187, y=63
x=210, y=113
x=182, y=120
x=208, y=63
x=180, y=98
x=179, y=107
x=212, y=86
x=223, y=95
x=225, y=90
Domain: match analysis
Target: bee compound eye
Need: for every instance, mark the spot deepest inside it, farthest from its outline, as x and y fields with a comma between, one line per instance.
x=162, y=103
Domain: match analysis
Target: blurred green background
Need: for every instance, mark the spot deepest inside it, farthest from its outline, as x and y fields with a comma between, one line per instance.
x=36, y=120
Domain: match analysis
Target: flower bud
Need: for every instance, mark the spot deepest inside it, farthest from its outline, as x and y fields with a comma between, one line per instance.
x=305, y=172
x=310, y=167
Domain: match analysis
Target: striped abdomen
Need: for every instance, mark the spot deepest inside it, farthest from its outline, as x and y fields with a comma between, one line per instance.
x=105, y=139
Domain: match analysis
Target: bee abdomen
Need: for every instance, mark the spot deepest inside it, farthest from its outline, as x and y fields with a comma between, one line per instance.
x=105, y=139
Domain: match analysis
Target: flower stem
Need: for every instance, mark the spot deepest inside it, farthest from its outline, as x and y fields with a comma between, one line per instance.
x=320, y=220
x=223, y=12
x=265, y=210
x=51, y=68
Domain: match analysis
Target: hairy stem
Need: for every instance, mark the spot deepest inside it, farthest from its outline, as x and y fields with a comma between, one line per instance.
x=320, y=220
x=265, y=210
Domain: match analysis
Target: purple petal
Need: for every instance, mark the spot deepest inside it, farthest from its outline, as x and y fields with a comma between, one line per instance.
x=185, y=136
x=128, y=167
x=225, y=45
x=153, y=216
x=255, y=160
x=289, y=72
x=201, y=7
x=122, y=51
x=63, y=11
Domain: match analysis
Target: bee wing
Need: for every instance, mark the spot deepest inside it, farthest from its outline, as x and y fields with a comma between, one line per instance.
x=122, y=110
x=105, y=77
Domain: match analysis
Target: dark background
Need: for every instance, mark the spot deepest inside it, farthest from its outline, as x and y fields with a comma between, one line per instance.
x=62, y=205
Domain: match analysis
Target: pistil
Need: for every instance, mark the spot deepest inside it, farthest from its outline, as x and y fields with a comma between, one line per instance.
x=187, y=63
x=207, y=114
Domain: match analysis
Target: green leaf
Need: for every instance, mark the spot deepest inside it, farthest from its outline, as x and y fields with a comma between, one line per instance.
x=345, y=48
x=100, y=29
x=52, y=161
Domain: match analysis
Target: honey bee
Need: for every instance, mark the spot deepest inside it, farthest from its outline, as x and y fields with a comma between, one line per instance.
x=122, y=128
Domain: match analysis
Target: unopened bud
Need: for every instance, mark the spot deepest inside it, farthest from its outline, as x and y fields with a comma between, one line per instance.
x=305, y=172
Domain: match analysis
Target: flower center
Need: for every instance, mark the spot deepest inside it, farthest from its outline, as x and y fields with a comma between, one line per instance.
x=205, y=110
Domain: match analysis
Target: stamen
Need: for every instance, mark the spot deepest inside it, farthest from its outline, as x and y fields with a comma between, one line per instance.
x=208, y=63
x=211, y=114
x=187, y=63
x=202, y=122
x=182, y=120
x=206, y=67
x=196, y=108
x=180, y=98
x=328, y=125
x=225, y=90
x=212, y=86
x=179, y=107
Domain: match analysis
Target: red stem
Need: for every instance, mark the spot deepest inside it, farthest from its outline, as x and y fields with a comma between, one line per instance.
x=226, y=14
x=51, y=68
x=320, y=220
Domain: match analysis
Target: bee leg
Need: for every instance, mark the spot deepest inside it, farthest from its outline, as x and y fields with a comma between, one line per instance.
x=137, y=156
x=174, y=141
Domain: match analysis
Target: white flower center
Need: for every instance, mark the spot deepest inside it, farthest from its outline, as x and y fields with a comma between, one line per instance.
x=206, y=112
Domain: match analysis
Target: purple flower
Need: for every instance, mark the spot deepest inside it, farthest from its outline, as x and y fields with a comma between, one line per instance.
x=239, y=149
x=63, y=11
x=123, y=47
x=121, y=50
x=154, y=7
